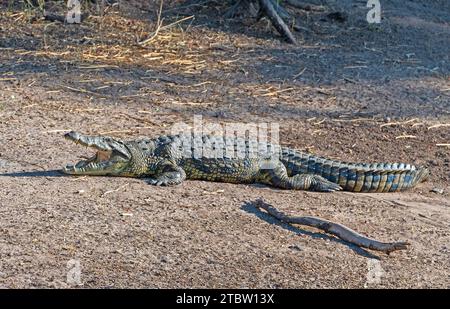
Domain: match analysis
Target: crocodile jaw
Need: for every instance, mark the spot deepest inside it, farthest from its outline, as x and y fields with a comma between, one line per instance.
x=112, y=156
x=99, y=164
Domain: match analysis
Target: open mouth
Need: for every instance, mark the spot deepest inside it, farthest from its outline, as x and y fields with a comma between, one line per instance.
x=97, y=162
x=110, y=158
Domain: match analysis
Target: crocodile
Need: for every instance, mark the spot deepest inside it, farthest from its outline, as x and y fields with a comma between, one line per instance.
x=166, y=161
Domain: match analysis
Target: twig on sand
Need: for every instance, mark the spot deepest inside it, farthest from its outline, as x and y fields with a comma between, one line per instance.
x=176, y=22
x=439, y=125
x=298, y=74
x=399, y=123
x=335, y=229
x=160, y=27
x=405, y=136
x=115, y=190
x=163, y=28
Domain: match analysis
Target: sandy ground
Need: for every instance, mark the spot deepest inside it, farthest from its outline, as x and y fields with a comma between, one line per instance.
x=350, y=91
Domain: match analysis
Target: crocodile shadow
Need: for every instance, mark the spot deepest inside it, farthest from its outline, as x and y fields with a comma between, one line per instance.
x=49, y=173
x=250, y=208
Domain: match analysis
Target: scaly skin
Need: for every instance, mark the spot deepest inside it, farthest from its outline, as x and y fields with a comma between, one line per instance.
x=164, y=161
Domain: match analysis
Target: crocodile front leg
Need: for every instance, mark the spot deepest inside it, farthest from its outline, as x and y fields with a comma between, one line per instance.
x=278, y=177
x=169, y=175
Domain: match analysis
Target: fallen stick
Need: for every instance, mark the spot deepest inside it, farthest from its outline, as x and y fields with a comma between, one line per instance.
x=335, y=229
x=115, y=190
x=160, y=27
x=439, y=125
x=405, y=136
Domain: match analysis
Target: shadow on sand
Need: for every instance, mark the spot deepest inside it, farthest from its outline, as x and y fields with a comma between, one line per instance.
x=50, y=173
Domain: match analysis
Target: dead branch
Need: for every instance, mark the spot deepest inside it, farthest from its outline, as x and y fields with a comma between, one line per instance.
x=158, y=25
x=335, y=229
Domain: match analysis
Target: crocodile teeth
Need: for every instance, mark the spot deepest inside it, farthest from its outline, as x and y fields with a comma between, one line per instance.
x=80, y=164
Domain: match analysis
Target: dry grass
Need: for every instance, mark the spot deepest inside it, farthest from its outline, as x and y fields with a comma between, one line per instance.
x=125, y=42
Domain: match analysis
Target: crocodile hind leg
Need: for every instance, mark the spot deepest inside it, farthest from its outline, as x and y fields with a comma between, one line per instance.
x=169, y=175
x=278, y=177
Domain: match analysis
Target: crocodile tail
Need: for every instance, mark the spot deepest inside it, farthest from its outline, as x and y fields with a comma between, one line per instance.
x=422, y=175
x=379, y=177
x=356, y=177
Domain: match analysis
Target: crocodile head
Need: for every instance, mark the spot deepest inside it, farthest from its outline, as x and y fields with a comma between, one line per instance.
x=113, y=157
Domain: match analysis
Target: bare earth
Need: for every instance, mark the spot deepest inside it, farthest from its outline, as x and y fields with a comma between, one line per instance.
x=350, y=91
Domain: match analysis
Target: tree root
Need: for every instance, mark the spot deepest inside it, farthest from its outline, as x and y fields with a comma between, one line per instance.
x=267, y=8
x=275, y=12
x=260, y=8
x=335, y=229
x=281, y=10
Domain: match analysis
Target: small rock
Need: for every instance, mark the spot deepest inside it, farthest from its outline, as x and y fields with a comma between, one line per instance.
x=295, y=248
x=80, y=191
x=434, y=162
x=437, y=190
x=165, y=259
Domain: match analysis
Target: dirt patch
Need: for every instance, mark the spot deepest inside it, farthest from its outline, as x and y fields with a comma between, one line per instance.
x=351, y=91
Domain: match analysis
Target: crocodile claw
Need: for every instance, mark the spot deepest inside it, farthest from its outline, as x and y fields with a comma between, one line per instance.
x=324, y=185
x=163, y=180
